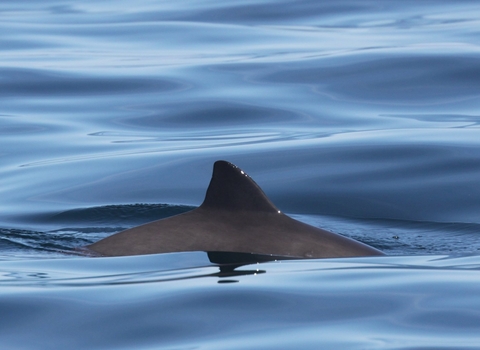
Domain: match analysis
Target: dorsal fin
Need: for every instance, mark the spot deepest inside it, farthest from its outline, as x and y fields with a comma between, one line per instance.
x=232, y=189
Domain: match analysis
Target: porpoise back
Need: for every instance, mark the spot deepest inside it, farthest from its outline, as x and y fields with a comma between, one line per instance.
x=236, y=216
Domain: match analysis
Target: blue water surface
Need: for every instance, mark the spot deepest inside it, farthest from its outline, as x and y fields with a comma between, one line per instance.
x=360, y=117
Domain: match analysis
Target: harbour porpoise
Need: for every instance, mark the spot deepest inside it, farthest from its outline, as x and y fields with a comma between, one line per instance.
x=236, y=216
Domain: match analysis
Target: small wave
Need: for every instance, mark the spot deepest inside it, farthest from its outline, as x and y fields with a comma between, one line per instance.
x=117, y=215
x=62, y=242
x=404, y=237
x=79, y=227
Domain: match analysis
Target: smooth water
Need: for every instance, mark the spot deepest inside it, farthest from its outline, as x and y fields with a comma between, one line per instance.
x=182, y=301
x=360, y=117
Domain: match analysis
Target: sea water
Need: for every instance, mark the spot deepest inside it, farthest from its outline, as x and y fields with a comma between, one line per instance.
x=360, y=117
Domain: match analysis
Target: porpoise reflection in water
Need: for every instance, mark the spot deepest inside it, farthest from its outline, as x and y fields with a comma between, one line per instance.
x=236, y=216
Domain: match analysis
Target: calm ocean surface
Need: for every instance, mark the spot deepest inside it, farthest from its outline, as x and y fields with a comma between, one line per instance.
x=360, y=117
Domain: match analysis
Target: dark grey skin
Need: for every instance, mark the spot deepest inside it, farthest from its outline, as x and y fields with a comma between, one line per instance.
x=236, y=216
